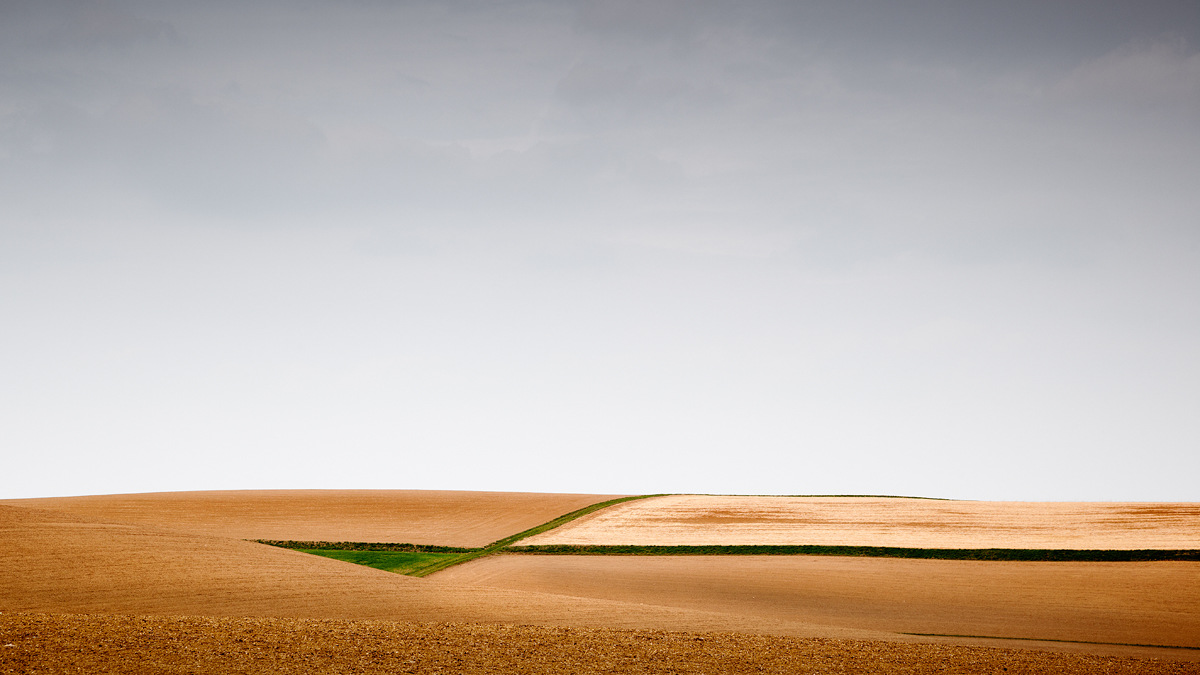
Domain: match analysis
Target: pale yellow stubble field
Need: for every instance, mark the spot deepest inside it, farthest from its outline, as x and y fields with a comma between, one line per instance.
x=698, y=520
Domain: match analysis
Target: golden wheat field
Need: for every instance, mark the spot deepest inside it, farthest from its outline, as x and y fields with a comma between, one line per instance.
x=167, y=583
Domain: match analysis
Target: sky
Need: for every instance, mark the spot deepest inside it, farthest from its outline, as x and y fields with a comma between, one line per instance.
x=622, y=246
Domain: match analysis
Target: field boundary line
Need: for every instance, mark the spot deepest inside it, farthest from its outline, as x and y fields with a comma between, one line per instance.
x=363, y=546
x=1035, y=639
x=503, y=544
x=731, y=494
x=981, y=554
x=466, y=553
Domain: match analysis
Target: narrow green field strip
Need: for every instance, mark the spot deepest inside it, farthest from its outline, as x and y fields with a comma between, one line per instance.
x=451, y=562
x=400, y=562
x=562, y=520
x=425, y=559
x=416, y=560
x=506, y=542
x=1015, y=554
x=363, y=546
x=1035, y=639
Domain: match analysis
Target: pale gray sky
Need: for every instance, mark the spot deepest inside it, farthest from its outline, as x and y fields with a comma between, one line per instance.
x=631, y=246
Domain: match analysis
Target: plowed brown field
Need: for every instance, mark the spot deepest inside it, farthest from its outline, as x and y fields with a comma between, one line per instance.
x=53, y=562
x=275, y=610
x=1130, y=603
x=118, y=644
x=915, y=523
x=445, y=518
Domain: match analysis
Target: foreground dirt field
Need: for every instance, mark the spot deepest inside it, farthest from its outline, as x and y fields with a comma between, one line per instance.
x=118, y=644
x=1131, y=603
x=444, y=518
x=256, y=608
x=916, y=523
x=53, y=562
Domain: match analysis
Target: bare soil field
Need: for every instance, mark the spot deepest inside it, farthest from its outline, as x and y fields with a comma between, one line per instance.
x=1155, y=603
x=54, y=562
x=188, y=595
x=444, y=518
x=121, y=644
x=864, y=521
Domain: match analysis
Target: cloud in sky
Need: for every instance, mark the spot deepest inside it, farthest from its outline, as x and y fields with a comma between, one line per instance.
x=657, y=246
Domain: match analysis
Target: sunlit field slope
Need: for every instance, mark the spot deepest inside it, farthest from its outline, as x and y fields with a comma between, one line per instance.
x=54, y=562
x=1145, y=603
x=184, y=555
x=894, y=522
x=446, y=518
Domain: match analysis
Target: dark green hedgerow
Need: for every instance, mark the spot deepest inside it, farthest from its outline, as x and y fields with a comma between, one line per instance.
x=1050, y=555
x=447, y=556
x=363, y=546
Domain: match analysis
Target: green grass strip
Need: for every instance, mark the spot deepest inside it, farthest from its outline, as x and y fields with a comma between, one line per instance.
x=508, y=541
x=1032, y=639
x=371, y=553
x=362, y=546
x=562, y=520
x=400, y=562
x=1021, y=554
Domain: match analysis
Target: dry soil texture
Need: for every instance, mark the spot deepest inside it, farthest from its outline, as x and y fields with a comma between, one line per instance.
x=118, y=644
x=142, y=571
x=55, y=562
x=64, y=563
x=915, y=523
x=1155, y=603
x=400, y=516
